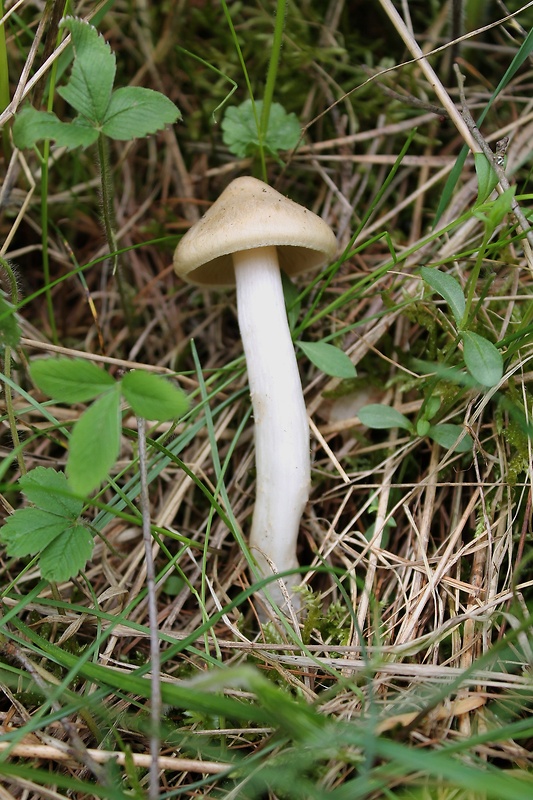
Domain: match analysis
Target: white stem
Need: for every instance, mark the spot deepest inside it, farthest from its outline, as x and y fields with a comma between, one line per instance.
x=281, y=427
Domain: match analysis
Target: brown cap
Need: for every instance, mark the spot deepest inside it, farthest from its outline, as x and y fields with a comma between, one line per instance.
x=249, y=214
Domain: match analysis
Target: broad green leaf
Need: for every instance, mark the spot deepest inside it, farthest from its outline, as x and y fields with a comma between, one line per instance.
x=94, y=443
x=67, y=554
x=70, y=380
x=379, y=416
x=93, y=72
x=448, y=288
x=134, y=112
x=32, y=126
x=483, y=360
x=30, y=530
x=486, y=177
x=49, y=490
x=447, y=435
x=240, y=131
x=328, y=358
x=153, y=397
x=9, y=327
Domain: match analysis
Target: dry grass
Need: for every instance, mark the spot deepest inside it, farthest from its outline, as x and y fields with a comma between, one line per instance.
x=435, y=542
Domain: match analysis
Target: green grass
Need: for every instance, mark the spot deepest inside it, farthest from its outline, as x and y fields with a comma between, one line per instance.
x=410, y=675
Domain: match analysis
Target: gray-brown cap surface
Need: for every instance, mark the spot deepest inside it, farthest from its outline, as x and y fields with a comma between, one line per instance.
x=250, y=214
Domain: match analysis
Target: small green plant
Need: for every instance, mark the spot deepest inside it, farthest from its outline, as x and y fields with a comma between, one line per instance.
x=381, y=417
x=123, y=114
x=483, y=359
x=102, y=113
x=95, y=438
x=51, y=528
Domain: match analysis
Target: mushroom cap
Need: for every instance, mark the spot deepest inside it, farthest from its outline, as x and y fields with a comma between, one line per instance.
x=250, y=214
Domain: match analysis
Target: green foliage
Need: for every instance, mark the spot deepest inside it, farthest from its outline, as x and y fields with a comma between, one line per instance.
x=95, y=443
x=124, y=114
x=447, y=434
x=519, y=444
x=95, y=438
x=50, y=528
x=483, y=360
x=313, y=747
x=382, y=417
x=152, y=397
x=494, y=212
x=70, y=381
x=241, y=129
x=523, y=53
x=328, y=358
x=448, y=288
x=487, y=180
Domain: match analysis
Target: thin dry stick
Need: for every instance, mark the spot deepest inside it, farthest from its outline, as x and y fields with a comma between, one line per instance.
x=141, y=760
x=463, y=122
x=430, y=74
x=155, y=693
x=493, y=161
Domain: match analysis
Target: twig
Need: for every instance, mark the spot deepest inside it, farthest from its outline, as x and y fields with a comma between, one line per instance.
x=142, y=760
x=430, y=74
x=155, y=691
x=493, y=161
x=406, y=99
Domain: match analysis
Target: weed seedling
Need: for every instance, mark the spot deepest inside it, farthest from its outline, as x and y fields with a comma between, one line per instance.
x=102, y=113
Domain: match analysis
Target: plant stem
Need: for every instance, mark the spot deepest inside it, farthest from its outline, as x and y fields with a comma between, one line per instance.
x=270, y=84
x=10, y=409
x=281, y=426
x=108, y=218
x=46, y=258
x=249, y=87
x=430, y=74
x=156, y=702
x=489, y=155
x=106, y=185
x=4, y=83
x=44, y=212
x=473, y=279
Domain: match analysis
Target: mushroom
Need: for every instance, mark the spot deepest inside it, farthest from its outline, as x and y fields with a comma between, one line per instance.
x=244, y=239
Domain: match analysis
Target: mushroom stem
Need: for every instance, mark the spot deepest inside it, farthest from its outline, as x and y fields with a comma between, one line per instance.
x=281, y=426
